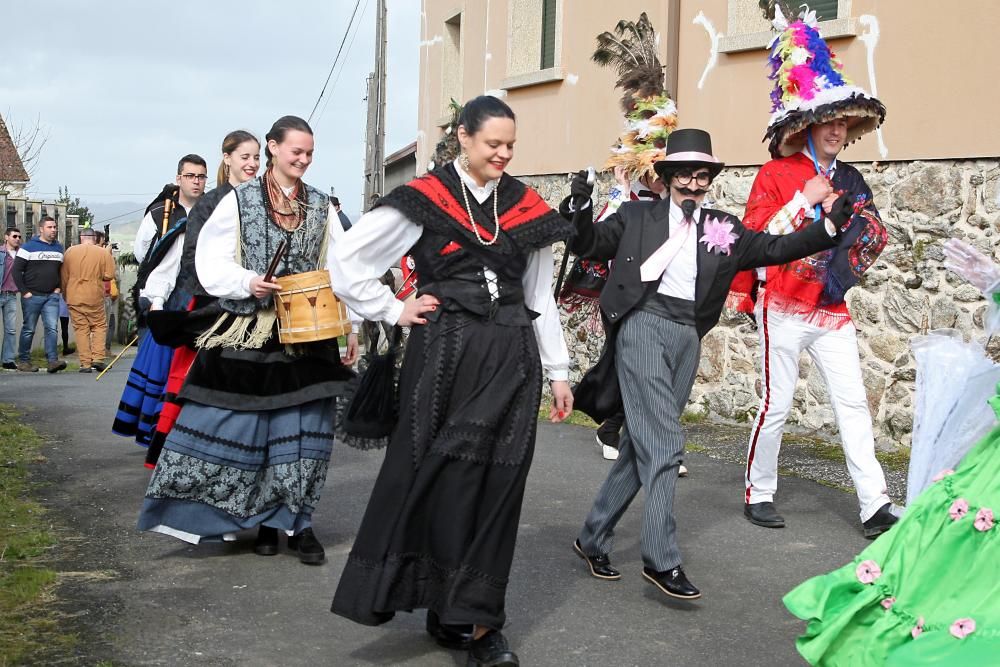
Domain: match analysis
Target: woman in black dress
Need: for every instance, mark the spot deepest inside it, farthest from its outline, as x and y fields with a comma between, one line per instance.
x=441, y=524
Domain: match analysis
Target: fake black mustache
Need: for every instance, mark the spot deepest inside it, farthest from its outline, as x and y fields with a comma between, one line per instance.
x=692, y=193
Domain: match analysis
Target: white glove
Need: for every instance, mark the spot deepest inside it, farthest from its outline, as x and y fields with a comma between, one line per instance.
x=972, y=265
x=982, y=272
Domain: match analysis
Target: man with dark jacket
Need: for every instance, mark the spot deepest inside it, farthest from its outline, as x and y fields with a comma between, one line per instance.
x=37, y=274
x=673, y=263
x=8, y=295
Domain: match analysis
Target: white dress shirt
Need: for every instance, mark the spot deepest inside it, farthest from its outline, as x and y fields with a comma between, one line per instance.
x=146, y=233
x=362, y=254
x=678, y=279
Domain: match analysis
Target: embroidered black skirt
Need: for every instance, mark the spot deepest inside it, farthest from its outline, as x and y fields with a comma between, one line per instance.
x=441, y=524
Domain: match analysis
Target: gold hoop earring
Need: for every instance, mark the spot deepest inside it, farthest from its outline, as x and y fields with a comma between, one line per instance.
x=463, y=160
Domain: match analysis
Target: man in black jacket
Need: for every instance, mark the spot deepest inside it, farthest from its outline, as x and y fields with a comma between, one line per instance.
x=673, y=263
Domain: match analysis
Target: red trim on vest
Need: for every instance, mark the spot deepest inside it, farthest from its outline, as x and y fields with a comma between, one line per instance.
x=450, y=248
x=530, y=207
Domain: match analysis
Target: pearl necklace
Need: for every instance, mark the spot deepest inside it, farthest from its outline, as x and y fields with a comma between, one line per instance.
x=496, y=218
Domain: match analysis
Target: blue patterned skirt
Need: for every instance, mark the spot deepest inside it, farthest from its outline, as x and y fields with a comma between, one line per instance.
x=142, y=399
x=251, y=444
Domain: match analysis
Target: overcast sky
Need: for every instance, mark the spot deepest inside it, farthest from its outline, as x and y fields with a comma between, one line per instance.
x=124, y=88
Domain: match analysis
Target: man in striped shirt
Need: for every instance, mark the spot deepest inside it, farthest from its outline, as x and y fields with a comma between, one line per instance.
x=36, y=273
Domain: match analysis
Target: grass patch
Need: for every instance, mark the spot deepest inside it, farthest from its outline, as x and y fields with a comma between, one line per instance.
x=27, y=626
x=895, y=459
x=692, y=417
x=39, y=359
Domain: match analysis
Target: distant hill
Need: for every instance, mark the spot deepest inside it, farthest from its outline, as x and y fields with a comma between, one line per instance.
x=123, y=216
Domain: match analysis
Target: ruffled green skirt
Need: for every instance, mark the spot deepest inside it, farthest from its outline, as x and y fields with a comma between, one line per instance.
x=925, y=593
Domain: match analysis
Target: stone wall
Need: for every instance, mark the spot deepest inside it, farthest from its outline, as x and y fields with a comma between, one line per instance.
x=907, y=292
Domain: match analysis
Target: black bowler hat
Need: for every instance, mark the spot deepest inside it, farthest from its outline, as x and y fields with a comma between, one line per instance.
x=691, y=149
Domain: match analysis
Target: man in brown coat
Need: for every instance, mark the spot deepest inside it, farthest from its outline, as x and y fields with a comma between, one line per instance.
x=85, y=268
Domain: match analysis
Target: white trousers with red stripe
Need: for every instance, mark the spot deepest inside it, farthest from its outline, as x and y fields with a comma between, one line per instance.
x=783, y=337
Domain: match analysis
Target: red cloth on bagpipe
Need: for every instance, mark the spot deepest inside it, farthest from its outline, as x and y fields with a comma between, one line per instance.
x=813, y=287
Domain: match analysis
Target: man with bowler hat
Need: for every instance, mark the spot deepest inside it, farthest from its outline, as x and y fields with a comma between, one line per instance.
x=673, y=263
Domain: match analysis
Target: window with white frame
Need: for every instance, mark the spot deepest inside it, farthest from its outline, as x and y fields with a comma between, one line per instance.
x=747, y=29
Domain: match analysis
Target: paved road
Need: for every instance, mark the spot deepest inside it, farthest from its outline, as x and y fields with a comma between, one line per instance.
x=144, y=599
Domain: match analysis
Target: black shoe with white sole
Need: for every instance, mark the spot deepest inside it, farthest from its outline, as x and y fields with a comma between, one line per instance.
x=672, y=582
x=600, y=566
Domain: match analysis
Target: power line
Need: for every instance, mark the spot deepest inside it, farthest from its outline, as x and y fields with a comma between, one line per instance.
x=357, y=29
x=107, y=220
x=336, y=58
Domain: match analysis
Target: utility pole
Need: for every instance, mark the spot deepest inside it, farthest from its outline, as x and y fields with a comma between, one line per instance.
x=375, y=137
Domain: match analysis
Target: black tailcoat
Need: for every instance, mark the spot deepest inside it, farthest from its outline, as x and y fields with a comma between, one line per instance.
x=633, y=233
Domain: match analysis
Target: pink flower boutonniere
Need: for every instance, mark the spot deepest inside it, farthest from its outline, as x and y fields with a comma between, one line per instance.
x=868, y=571
x=718, y=236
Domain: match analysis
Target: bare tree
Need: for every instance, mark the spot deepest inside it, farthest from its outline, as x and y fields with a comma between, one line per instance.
x=28, y=140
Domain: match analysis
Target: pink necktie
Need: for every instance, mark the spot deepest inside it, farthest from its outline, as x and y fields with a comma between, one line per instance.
x=657, y=263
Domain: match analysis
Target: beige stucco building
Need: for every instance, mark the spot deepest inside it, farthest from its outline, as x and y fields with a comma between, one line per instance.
x=934, y=168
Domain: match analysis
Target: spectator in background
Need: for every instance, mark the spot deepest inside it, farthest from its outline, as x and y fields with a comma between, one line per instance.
x=36, y=272
x=64, y=326
x=8, y=296
x=345, y=222
x=84, y=271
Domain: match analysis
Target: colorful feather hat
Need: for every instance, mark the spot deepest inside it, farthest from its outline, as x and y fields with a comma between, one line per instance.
x=650, y=114
x=809, y=87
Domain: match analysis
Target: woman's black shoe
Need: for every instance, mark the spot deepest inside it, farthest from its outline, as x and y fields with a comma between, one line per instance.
x=267, y=541
x=308, y=547
x=454, y=637
x=491, y=650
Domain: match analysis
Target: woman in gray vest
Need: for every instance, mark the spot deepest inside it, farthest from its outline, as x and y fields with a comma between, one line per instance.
x=252, y=443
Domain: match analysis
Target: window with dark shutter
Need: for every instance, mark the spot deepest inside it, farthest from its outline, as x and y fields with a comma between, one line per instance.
x=826, y=10
x=549, y=33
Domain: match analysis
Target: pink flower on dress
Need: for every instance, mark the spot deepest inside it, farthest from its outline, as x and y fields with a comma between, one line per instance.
x=718, y=236
x=962, y=628
x=918, y=628
x=958, y=509
x=941, y=475
x=984, y=519
x=887, y=603
x=868, y=571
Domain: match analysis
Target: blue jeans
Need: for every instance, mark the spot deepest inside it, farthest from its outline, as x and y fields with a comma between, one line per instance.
x=8, y=305
x=46, y=305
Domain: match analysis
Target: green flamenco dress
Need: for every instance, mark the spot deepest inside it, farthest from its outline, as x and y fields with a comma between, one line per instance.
x=925, y=593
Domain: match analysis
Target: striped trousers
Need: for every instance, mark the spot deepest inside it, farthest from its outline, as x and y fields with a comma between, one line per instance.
x=657, y=360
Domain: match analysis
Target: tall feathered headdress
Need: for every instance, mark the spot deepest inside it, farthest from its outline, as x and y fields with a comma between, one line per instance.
x=810, y=86
x=650, y=115
x=448, y=148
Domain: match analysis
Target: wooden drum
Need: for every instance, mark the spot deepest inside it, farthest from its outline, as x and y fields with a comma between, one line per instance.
x=308, y=310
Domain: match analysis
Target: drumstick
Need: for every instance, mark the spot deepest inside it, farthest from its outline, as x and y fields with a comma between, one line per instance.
x=278, y=256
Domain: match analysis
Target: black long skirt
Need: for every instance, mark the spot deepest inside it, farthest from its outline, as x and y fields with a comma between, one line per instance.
x=441, y=524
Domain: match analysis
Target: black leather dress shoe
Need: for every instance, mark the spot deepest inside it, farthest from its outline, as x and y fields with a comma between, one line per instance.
x=879, y=522
x=763, y=514
x=308, y=547
x=672, y=582
x=454, y=637
x=600, y=566
x=266, y=543
x=491, y=650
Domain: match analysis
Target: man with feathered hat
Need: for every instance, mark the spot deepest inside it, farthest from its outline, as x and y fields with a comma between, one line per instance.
x=673, y=263
x=801, y=305
x=650, y=115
